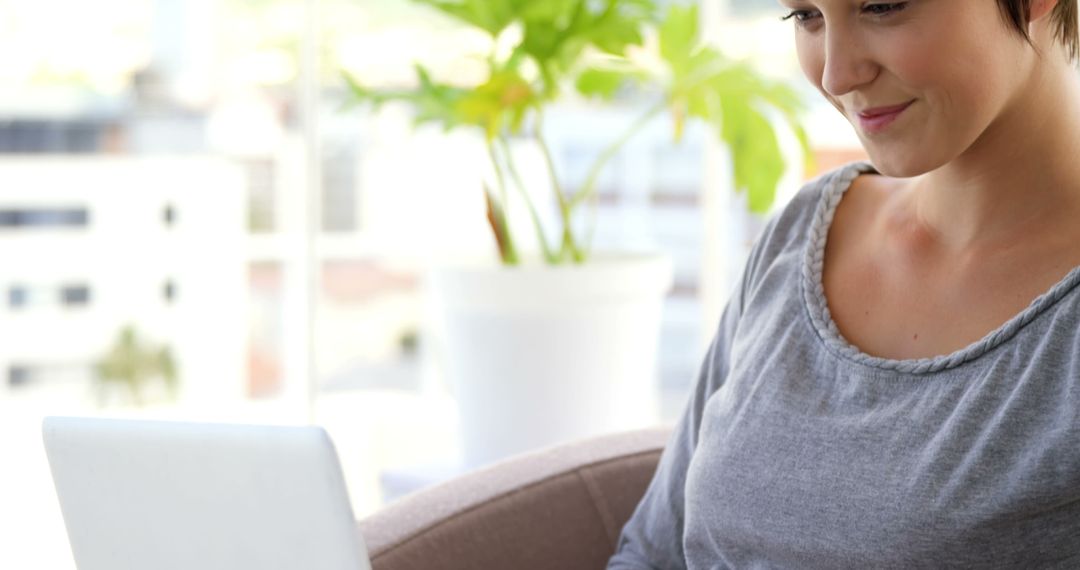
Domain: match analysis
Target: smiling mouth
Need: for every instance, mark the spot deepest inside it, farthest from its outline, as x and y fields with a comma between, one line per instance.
x=882, y=111
x=878, y=119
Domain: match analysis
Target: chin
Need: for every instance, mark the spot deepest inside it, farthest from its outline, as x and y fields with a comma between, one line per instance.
x=900, y=163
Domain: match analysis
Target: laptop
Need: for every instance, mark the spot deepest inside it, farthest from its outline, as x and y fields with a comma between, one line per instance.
x=170, y=495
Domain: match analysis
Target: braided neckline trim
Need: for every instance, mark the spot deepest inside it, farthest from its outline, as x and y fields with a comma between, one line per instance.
x=814, y=293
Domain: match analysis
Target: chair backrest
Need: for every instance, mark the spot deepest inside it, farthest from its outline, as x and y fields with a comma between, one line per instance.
x=562, y=507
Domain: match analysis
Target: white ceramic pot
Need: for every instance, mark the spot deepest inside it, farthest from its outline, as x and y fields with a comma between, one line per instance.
x=539, y=355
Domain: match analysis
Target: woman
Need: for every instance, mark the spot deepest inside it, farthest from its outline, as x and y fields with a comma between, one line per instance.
x=896, y=381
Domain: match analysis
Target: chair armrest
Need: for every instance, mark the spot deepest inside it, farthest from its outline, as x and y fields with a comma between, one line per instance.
x=560, y=507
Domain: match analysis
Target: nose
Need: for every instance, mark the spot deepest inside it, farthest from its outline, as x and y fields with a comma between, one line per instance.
x=847, y=64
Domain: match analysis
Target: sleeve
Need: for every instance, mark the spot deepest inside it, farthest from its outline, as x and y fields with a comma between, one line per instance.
x=652, y=538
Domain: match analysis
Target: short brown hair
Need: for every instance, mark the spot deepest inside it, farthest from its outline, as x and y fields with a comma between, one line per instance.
x=1016, y=13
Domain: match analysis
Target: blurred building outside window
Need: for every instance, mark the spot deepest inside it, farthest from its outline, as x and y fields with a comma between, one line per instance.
x=156, y=171
x=43, y=218
x=75, y=295
x=18, y=296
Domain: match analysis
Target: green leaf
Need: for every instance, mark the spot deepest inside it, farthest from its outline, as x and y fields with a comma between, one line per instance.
x=541, y=41
x=556, y=33
x=431, y=102
x=790, y=104
x=492, y=16
x=361, y=94
x=615, y=35
x=436, y=103
x=758, y=162
x=501, y=102
x=731, y=96
x=548, y=26
x=604, y=83
x=614, y=25
x=678, y=36
x=554, y=13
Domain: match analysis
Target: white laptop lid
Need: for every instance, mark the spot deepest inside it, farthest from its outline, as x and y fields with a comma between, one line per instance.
x=169, y=495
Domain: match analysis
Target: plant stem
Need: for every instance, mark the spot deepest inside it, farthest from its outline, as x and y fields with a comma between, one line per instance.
x=594, y=205
x=508, y=252
x=538, y=135
x=568, y=246
x=549, y=256
x=594, y=173
x=498, y=173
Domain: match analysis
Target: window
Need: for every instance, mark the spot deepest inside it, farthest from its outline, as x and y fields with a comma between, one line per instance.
x=339, y=188
x=112, y=91
x=168, y=292
x=30, y=136
x=27, y=374
x=18, y=297
x=70, y=295
x=18, y=376
x=74, y=295
x=677, y=171
x=261, y=199
x=44, y=217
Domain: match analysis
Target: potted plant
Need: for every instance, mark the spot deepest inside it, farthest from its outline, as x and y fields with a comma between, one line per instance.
x=565, y=345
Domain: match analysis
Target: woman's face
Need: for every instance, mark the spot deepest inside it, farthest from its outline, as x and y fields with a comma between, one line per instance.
x=953, y=66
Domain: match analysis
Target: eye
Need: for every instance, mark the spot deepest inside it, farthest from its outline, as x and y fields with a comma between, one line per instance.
x=884, y=9
x=802, y=17
x=805, y=18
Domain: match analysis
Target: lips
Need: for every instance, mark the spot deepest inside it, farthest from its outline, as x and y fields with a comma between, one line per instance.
x=881, y=111
x=877, y=119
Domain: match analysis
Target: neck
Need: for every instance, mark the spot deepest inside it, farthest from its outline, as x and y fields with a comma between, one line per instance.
x=1021, y=175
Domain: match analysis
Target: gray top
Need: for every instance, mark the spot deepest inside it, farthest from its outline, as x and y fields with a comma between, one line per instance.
x=797, y=450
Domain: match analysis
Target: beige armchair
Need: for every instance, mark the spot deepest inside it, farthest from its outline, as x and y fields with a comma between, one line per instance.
x=561, y=507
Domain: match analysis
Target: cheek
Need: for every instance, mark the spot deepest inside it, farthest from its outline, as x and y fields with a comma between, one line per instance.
x=963, y=61
x=957, y=76
x=930, y=59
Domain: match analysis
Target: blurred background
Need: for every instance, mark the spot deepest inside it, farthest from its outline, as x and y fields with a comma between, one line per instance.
x=195, y=226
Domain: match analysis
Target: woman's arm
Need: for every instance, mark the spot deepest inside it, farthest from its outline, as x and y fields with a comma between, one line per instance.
x=652, y=538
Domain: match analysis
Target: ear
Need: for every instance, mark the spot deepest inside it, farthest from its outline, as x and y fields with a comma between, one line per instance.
x=1039, y=9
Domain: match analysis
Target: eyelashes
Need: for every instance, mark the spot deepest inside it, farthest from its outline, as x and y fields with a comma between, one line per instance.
x=885, y=9
x=881, y=10
x=801, y=16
